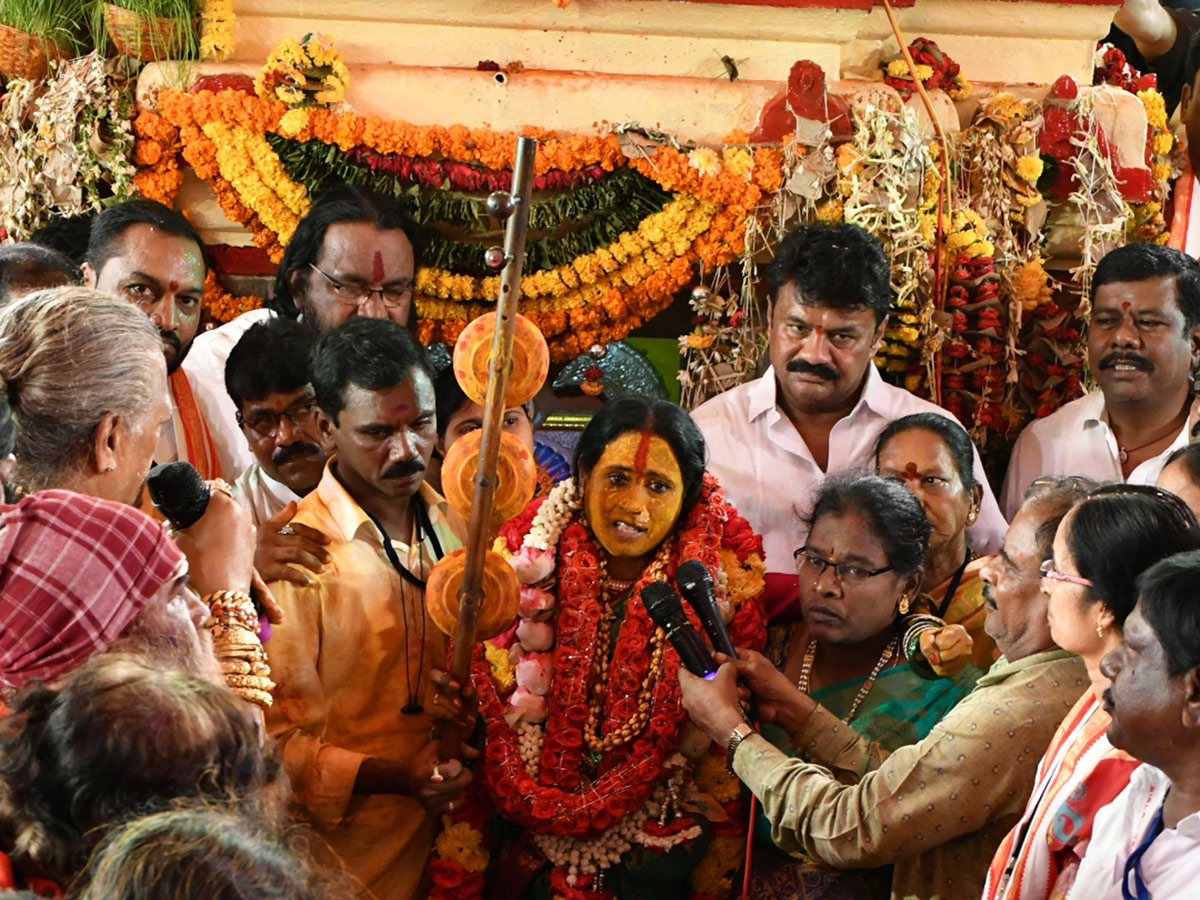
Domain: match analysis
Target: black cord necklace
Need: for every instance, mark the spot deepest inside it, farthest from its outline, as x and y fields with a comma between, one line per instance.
x=423, y=528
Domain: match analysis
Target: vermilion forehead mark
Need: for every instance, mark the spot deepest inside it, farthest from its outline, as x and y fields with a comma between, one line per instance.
x=1125, y=304
x=377, y=270
x=818, y=329
x=639, y=458
x=910, y=472
x=174, y=286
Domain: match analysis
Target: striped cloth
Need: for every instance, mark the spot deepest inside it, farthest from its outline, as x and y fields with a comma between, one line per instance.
x=74, y=572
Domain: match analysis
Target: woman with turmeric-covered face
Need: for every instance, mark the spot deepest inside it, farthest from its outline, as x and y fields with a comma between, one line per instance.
x=587, y=750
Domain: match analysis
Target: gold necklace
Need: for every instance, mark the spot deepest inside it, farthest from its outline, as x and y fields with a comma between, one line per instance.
x=600, y=661
x=810, y=654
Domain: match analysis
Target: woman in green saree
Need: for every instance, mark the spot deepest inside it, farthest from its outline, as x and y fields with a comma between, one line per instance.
x=860, y=572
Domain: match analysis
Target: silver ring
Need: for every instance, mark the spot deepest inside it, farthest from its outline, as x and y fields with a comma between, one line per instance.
x=286, y=530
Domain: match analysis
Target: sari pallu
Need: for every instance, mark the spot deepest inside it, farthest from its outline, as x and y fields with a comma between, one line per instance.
x=901, y=708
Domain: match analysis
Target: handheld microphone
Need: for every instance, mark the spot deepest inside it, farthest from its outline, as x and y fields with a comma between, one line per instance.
x=696, y=585
x=178, y=492
x=667, y=612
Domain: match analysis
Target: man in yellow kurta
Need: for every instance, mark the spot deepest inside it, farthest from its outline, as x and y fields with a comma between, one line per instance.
x=353, y=656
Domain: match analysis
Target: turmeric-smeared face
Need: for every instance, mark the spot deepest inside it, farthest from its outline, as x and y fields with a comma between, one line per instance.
x=633, y=494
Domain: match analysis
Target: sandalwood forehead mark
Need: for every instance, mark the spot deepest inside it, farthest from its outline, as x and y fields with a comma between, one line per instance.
x=377, y=269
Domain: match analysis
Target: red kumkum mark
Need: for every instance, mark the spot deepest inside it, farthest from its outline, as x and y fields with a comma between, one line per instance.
x=377, y=270
x=639, y=459
x=173, y=286
x=910, y=472
x=1125, y=304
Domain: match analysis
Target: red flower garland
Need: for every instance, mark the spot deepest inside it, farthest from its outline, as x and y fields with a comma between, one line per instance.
x=461, y=176
x=560, y=800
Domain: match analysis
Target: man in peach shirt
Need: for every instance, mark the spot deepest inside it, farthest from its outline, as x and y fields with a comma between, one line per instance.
x=353, y=656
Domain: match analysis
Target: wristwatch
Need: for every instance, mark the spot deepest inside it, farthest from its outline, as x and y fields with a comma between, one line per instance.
x=739, y=734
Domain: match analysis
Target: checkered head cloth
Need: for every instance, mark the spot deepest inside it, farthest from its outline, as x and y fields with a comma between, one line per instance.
x=74, y=572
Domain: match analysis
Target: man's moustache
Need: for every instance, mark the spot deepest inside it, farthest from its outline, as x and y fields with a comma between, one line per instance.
x=1131, y=359
x=171, y=338
x=820, y=370
x=404, y=469
x=286, y=454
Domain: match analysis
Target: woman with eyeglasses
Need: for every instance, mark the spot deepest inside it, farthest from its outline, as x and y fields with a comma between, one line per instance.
x=933, y=457
x=861, y=567
x=1101, y=547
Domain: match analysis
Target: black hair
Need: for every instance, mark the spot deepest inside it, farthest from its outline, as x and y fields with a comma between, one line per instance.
x=26, y=263
x=121, y=739
x=662, y=419
x=341, y=203
x=837, y=265
x=953, y=435
x=1057, y=496
x=198, y=852
x=449, y=396
x=1190, y=454
x=270, y=358
x=891, y=511
x=1120, y=530
x=1139, y=262
x=108, y=227
x=1167, y=599
x=370, y=353
x=68, y=235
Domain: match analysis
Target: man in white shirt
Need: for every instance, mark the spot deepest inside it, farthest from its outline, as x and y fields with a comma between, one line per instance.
x=820, y=406
x=1146, y=843
x=149, y=255
x=267, y=379
x=1143, y=345
x=353, y=254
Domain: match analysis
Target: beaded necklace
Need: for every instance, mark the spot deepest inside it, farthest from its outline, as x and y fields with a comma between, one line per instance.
x=601, y=659
x=810, y=654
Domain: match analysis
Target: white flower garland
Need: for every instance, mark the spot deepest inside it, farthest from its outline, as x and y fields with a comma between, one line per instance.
x=587, y=857
x=552, y=516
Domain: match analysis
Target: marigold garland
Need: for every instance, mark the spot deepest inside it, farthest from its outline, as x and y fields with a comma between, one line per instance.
x=216, y=29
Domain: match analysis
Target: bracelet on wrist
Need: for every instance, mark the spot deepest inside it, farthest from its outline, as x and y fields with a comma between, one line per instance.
x=738, y=735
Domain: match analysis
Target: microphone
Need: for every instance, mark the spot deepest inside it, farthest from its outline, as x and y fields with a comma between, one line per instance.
x=696, y=585
x=667, y=612
x=178, y=492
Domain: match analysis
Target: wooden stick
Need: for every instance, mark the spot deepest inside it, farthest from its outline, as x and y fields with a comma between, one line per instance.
x=515, y=206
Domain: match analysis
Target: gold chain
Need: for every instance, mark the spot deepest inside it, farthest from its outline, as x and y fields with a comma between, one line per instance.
x=600, y=662
x=810, y=654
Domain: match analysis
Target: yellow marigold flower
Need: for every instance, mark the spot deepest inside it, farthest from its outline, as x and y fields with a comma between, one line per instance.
x=504, y=673
x=1162, y=143
x=1161, y=171
x=961, y=90
x=898, y=68
x=1029, y=200
x=742, y=581
x=1030, y=168
x=924, y=72
x=462, y=844
x=832, y=210
x=739, y=161
x=699, y=341
x=292, y=122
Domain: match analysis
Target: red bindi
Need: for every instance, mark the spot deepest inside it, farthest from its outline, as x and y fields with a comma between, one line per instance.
x=639, y=459
x=377, y=271
x=174, y=286
x=1125, y=304
x=910, y=472
x=818, y=328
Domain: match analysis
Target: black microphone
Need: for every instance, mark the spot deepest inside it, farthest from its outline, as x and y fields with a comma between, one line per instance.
x=696, y=585
x=667, y=612
x=178, y=492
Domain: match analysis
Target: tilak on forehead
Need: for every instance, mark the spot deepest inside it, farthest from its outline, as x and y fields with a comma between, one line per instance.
x=377, y=269
x=1125, y=304
x=910, y=472
x=639, y=458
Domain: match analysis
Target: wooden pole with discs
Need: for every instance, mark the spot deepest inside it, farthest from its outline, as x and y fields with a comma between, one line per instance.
x=474, y=591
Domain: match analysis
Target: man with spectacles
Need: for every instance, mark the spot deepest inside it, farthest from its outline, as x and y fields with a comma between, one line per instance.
x=1143, y=346
x=267, y=379
x=353, y=254
x=935, y=810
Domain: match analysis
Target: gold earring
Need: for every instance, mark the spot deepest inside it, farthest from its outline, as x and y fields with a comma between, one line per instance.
x=1099, y=629
x=904, y=604
x=972, y=515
